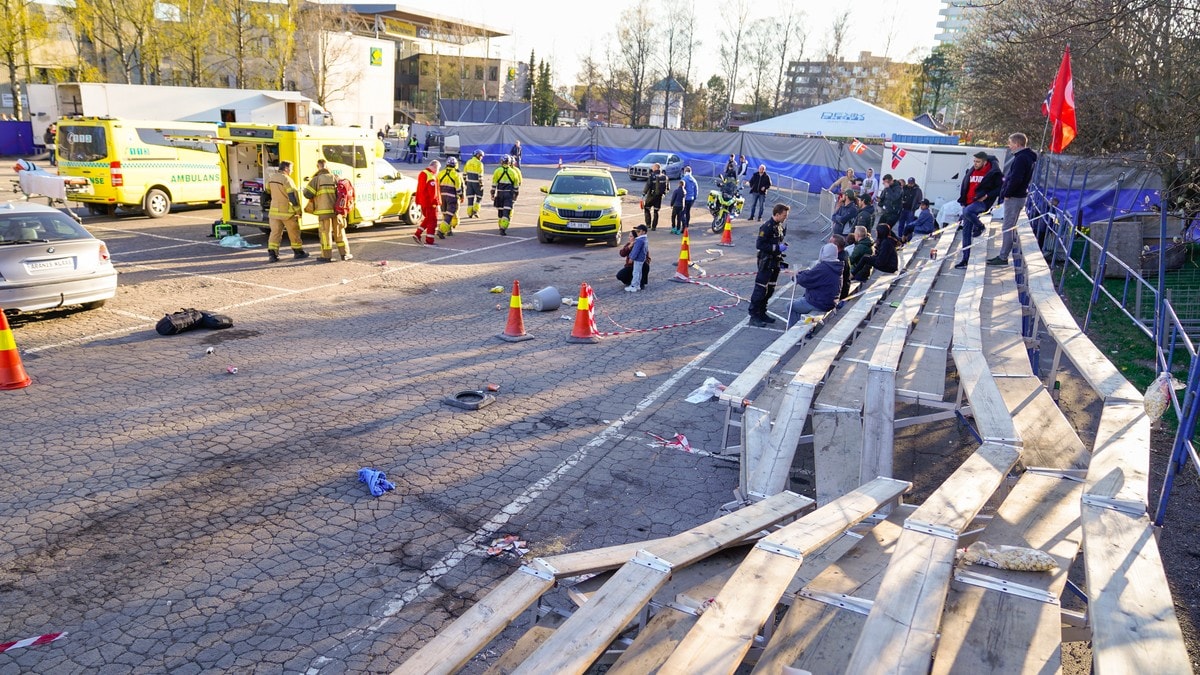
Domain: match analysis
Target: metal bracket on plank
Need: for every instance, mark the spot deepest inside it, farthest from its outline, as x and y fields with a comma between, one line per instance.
x=539, y=568
x=1077, y=475
x=648, y=559
x=772, y=547
x=1125, y=506
x=1004, y=586
x=935, y=529
x=1007, y=442
x=859, y=605
x=821, y=408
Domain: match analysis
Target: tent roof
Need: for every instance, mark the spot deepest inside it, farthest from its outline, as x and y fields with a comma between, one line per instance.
x=848, y=117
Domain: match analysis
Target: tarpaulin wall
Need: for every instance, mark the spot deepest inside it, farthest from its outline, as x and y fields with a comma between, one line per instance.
x=816, y=161
x=16, y=139
x=1088, y=186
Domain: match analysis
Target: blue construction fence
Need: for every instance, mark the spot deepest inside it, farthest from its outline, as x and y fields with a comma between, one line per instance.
x=1090, y=188
x=816, y=161
x=16, y=139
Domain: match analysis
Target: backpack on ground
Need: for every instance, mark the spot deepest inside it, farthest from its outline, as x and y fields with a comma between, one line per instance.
x=179, y=322
x=343, y=203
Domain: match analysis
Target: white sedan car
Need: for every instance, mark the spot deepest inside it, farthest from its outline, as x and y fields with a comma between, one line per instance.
x=48, y=260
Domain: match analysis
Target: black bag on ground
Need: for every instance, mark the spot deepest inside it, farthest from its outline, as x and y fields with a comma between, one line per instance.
x=211, y=320
x=179, y=322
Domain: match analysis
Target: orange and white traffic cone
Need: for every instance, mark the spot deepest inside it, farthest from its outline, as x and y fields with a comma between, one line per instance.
x=727, y=234
x=12, y=373
x=585, y=317
x=681, y=270
x=514, y=331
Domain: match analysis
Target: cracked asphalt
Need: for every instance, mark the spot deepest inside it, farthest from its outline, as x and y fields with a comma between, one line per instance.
x=174, y=517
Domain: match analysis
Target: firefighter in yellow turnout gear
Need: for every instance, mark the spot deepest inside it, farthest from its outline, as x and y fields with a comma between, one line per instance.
x=322, y=189
x=450, y=185
x=473, y=179
x=284, y=213
x=506, y=185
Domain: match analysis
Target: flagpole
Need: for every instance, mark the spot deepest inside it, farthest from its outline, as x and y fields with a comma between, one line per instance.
x=1045, y=128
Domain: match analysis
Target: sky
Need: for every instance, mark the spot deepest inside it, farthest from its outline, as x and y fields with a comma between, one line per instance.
x=565, y=31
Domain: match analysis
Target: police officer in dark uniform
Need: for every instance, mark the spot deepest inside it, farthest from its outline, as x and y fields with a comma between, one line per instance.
x=652, y=195
x=771, y=247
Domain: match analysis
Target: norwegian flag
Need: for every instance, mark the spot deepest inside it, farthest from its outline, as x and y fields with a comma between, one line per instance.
x=1046, y=103
x=858, y=147
x=898, y=154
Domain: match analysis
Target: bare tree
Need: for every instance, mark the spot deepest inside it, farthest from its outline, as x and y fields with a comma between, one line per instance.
x=791, y=41
x=192, y=38
x=760, y=43
x=324, y=58
x=731, y=48
x=119, y=27
x=686, y=21
x=833, y=52
x=20, y=26
x=635, y=35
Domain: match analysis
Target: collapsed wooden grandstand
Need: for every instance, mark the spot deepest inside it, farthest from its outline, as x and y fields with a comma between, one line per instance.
x=857, y=581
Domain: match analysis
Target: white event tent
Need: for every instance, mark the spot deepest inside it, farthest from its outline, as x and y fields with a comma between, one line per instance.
x=848, y=117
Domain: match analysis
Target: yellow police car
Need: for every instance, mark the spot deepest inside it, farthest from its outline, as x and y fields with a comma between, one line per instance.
x=581, y=203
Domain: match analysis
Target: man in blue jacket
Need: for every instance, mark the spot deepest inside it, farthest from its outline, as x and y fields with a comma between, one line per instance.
x=979, y=190
x=924, y=222
x=822, y=284
x=843, y=217
x=690, y=189
x=1017, y=174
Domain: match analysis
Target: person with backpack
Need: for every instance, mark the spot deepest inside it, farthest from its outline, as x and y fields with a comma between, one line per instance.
x=322, y=190
x=506, y=185
x=450, y=183
x=473, y=180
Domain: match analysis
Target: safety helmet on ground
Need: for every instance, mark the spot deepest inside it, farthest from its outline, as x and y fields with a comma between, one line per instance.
x=452, y=161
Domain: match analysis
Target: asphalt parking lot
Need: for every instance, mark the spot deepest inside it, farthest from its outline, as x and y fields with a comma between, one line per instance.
x=174, y=517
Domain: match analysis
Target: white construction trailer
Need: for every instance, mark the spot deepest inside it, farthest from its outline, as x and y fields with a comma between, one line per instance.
x=939, y=169
x=190, y=104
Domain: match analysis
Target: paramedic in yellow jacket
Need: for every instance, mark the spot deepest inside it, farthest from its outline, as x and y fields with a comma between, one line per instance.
x=473, y=180
x=506, y=185
x=450, y=184
x=284, y=213
x=322, y=189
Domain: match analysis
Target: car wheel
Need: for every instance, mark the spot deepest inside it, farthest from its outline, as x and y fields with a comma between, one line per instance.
x=97, y=304
x=157, y=204
x=97, y=209
x=544, y=236
x=612, y=241
x=413, y=215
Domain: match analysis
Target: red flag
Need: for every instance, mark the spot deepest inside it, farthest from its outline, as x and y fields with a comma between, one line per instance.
x=1062, y=106
x=857, y=147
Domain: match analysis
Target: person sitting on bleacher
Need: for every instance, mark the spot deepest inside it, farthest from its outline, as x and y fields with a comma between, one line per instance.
x=843, y=217
x=840, y=242
x=884, y=257
x=924, y=222
x=822, y=284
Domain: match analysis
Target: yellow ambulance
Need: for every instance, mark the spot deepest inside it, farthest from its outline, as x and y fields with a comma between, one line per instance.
x=252, y=153
x=138, y=164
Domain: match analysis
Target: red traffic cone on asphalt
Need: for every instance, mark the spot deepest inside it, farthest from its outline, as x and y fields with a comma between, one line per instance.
x=12, y=373
x=514, y=330
x=585, y=318
x=681, y=270
x=727, y=234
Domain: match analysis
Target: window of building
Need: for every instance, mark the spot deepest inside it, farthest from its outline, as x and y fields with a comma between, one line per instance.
x=493, y=73
x=479, y=72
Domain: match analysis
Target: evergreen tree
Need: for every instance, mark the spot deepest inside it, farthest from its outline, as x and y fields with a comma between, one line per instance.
x=545, y=112
x=530, y=81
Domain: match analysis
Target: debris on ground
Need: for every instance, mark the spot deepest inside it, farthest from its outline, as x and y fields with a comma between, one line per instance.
x=236, y=241
x=210, y=350
x=376, y=480
x=232, y=370
x=680, y=442
x=1008, y=557
x=706, y=392
x=493, y=386
x=509, y=543
x=496, y=289
x=639, y=374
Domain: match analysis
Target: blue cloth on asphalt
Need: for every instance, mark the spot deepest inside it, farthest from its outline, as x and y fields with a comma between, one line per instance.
x=376, y=480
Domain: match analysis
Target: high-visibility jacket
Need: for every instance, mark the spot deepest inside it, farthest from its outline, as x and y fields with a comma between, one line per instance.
x=285, y=200
x=506, y=178
x=474, y=170
x=322, y=188
x=427, y=189
x=450, y=183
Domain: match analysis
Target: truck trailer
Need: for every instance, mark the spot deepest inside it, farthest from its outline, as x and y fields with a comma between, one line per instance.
x=939, y=169
x=189, y=104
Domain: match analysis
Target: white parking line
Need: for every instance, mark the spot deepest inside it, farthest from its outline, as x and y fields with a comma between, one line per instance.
x=468, y=546
x=131, y=315
x=157, y=248
x=207, y=276
x=155, y=236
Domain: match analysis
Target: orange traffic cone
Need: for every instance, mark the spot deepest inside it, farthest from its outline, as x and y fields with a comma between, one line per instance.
x=585, y=318
x=727, y=235
x=12, y=373
x=681, y=270
x=514, y=331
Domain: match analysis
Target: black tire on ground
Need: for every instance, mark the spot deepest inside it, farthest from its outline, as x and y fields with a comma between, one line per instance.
x=413, y=215
x=718, y=223
x=97, y=304
x=97, y=209
x=613, y=241
x=156, y=203
x=544, y=236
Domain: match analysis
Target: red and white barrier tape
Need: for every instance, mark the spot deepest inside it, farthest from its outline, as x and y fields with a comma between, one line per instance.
x=29, y=642
x=713, y=308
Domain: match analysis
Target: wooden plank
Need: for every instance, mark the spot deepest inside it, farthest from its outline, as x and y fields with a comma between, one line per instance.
x=748, y=380
x=901, y=630
x=720, y=533
x=987, y=405
x=879, y=425
x=583, y=637
x=655, y=643
x=924, y=362
x=526, y=644
x=756, y=430
x=817, y=637
x=989, y=631
x=1047, y=438
x=726, y=630
x=1120, y=466
x=1134, y=627
x=837, y=443
x=454, y=645
x=769, y=474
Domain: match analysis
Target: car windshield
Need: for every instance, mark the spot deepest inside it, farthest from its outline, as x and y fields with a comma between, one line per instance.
x=18, y=228
x=600, y=186
x=653, y=157
x=82, y=143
